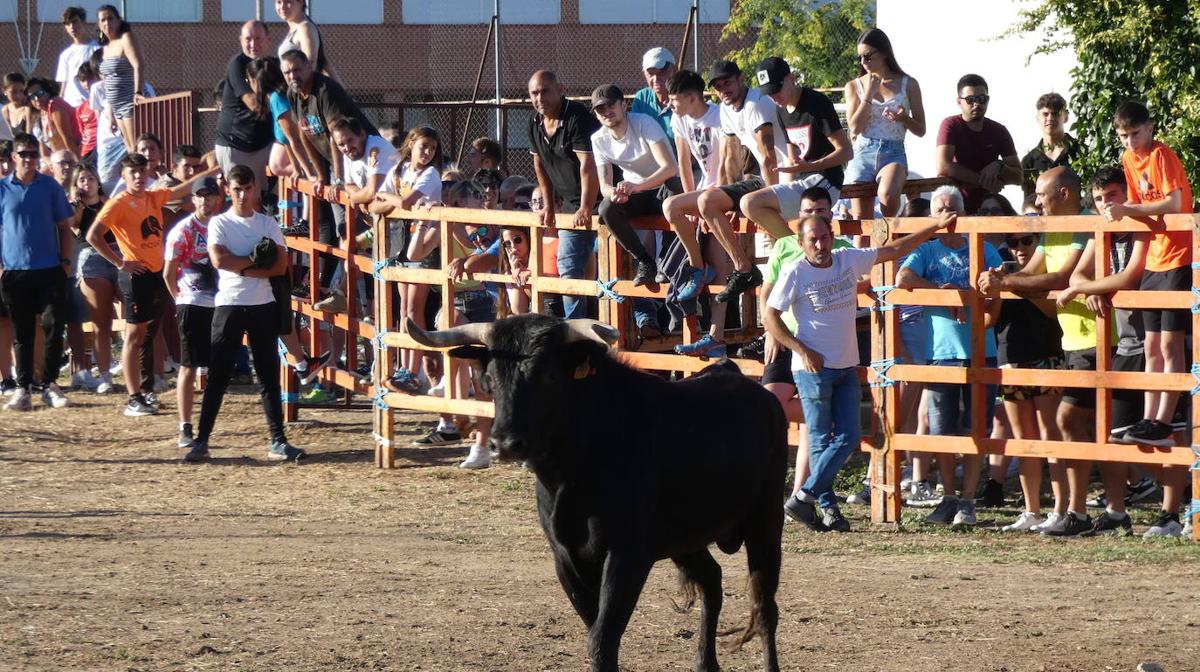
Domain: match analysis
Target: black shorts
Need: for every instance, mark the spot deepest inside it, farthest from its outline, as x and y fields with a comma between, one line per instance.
x=1127, y=405
x=779, y=370
x=144, y=295
x=1174, y=280
x=737, y=190
x=3, y=306
x=195, y=334
x=1081, y=360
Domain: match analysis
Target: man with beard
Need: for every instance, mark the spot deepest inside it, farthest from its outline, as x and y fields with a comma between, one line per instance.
x=975, y=151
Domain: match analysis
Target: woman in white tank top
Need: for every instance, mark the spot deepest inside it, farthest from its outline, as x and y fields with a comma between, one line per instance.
x=882, y=105
x=302, y=35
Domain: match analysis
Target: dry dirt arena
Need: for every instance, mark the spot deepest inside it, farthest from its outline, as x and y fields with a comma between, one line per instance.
x=116, y=556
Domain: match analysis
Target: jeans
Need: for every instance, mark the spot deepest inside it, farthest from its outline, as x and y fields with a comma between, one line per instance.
x=830, y=399
x=945, y=401
x=575, y=249
x=28, y=294
x=261, y=325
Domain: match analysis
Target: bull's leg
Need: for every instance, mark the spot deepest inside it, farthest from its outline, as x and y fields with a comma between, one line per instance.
x=763, y=556
x=704, y=571
x=582, y=591
x=620, y=587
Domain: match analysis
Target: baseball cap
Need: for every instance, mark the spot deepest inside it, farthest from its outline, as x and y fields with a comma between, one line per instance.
x=658, y=57
x=606, y=94
x=770, y=75
x=205, y=186
x=721, y=69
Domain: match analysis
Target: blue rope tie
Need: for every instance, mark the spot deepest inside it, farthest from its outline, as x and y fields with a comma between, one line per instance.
x=604, y=290
x=379, y=400
x=1196, y=463
x=378, y=340
x=1196, y=375
x=290, y=397
x=881, y=367
x=379, y=266
x=882, y=304
x=282, y=349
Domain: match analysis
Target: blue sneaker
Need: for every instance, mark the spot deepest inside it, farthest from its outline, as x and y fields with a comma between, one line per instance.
x=284, y=451
x=705, y=348
x=693, y=282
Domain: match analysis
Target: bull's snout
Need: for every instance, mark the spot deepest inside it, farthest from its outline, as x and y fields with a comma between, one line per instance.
x=507, y=445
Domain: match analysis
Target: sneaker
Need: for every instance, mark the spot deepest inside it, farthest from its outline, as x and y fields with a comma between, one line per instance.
x=946, y=511
x=151, y=398
x=1100, y=502
x=739, y=282
x=645, y=274
x=965, y=516
x=1024, y=523
x=19, y=400
x=692, y=283
x=1117, y=434
x=1167, y=525
x=404, y=381
x=317, y=395
x=1186, y=532
x=478, y=458
x=906, y=479
x=1051, y=519
x=862, y=496
x=439, y=389
x=160, y=384
x=170, y=366
x=833, y=520
x=922, y=495
x=754, y=349
x=803, y=512
x=137, y=406
x=116, y=368
x=84, y=380
x=53, y=397
x=198, y=452
x=300, y=228
x=284, y=452
x=993, y=494
x=439, y=437
x=1108, y=524
x=334, y=303
x=705, y=348
x=315, y=364
x=1069, y=525
x=8, y=386
x=186, y=440
x=1140, y=490
x=104, y=384
x=1151, y=433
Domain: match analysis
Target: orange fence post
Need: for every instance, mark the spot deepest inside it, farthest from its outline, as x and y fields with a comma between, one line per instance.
x=884, y=467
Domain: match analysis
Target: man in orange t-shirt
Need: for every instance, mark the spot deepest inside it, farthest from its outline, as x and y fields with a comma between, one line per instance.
x=1158, y=185
x=135, y=217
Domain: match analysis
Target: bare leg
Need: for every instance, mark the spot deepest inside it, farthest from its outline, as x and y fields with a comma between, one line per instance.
x=762, y=207
x=679, y=211
x=1047, y=409
x=99, y=296
x=891, y=181
x=1023, y=418
x=1077, y=425
x=713, y=206
x=185, y=392
x=715, y=256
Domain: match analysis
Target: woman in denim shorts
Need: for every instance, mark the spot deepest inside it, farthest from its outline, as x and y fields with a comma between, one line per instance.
x=97, y=277
x=882, y=105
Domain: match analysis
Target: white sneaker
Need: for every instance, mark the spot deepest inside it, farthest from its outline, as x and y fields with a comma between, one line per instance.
x=84, y=380
x=105, y=385
x=160, y=385
x=1025, y=522
x=1186, y=532
x=479, y=458
x=863, y=496
x=19, y=401
x=1165, y=526
x=1050, y=520
x=922, y=495
x=906, y=479
x=116, y=368
x=170, y=366
x=54, y=397
x=439, y=389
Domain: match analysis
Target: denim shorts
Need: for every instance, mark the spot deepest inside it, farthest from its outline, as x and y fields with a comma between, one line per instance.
x=871, y=155
x=914, y=333
x=92, y=265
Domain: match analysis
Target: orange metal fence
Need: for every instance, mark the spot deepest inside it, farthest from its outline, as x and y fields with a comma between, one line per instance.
x=170, y=117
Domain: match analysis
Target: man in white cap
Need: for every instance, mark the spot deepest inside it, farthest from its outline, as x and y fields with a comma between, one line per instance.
x=658, y=65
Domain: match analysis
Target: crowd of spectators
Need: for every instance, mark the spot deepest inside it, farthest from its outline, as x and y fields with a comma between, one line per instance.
x=92, y=215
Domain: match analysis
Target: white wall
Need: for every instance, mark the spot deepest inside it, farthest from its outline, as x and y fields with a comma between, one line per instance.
x=938, y=41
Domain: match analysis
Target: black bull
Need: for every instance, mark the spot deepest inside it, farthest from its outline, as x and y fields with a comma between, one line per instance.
x=632, y=469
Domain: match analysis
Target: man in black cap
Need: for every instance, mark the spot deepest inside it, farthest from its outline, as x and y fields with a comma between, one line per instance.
x=817, y=148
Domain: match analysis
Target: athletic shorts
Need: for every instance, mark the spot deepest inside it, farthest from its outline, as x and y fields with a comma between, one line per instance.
x=737, y=190
x=779, y=370
x=195, y=334
x=1174, y=280
x=144, y=295
x=788, y=193
x=1028, y=392
x=1081, y=360
x=1127, y=405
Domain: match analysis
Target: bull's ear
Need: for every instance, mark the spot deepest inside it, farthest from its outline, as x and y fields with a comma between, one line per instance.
x=478, y=352
x=583, y=354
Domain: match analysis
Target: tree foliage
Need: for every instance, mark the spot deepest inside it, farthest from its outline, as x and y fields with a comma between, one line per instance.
x=817, y=37
x=1143, y=50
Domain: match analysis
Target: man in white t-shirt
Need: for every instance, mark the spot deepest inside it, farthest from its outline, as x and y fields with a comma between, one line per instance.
x=820, y=290
x=366, y=160
x=77, y=53
x=245, y=308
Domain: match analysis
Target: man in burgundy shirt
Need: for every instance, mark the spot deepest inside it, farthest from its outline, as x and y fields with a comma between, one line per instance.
x=975, y=151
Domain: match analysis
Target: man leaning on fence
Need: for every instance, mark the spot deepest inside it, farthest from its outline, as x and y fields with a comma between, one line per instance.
x=820, y=290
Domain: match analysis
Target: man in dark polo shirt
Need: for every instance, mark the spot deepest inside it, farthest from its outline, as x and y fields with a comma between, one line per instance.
x=1057, y=147
x=560, y=139
x=975, y=151
x=242, y=136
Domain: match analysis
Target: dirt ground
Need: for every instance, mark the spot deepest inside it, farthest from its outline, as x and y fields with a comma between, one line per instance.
x=116, y=556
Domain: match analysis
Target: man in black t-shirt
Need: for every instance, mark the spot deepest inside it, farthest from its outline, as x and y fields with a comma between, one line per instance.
x=560, y=140
x=242, y=136
x=316, y=101
x=817, y=148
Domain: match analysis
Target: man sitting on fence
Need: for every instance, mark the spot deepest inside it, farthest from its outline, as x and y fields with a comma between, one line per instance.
x=974, y=150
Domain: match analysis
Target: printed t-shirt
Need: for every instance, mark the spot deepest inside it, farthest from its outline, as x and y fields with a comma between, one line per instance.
x=187, y=244
x=808, y=127
x=240, y=235
x=1152, y=178
x=137, y=223
x=702, y=136
x=944, y=265
x=1078, y=323
x=357, y=172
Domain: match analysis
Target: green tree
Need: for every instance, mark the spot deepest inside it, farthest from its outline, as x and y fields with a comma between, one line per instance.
x=1143, y=50
x=817, y=37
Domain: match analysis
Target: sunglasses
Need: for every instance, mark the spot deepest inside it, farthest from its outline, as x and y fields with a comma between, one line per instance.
x=510, y=243
x=28, y=153
x=1023, y=241
x=477, y=235
x=981, y=99
x=867, y=56
x=38, y=94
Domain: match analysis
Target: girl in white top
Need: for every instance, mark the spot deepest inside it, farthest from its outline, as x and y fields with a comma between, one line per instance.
x=302, y=34
x=882, y=105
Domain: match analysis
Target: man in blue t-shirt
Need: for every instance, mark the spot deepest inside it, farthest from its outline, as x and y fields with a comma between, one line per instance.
x=35, y=251
x=944, y=263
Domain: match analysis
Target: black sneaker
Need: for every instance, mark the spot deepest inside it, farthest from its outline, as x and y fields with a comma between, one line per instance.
x=438, y=438
x=1069, y=525
x=315, y=364
x=1152, y=433
x=803, y=512
x=1107, y=524
x=7, y=385
x=137, y=406
x=198, y=452
x=284, y=452
x=1140, y=490
x=993, y=494
x=646, y=272
x=740, y=282
x=833, y=520
x=754, y=349
x=185, y=436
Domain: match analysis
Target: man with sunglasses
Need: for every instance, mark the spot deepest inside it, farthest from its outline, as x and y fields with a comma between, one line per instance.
x=35, y=228
x=975, y=151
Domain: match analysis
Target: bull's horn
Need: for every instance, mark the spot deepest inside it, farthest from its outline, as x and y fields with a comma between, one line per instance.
x=471, y=333
x=593, y=330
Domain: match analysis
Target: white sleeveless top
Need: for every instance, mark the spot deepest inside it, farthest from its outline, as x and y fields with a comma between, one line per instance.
x=879, y=127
